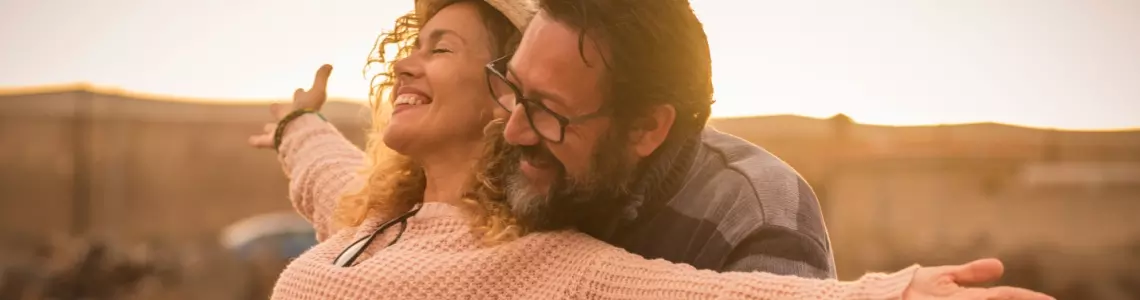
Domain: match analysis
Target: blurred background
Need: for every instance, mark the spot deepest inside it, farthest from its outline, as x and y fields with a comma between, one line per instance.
x=933, y=132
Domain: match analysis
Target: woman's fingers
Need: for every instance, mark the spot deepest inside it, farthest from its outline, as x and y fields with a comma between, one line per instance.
x=321, y=80
x=261, y=140
x=280, y=110
x=312, y=99
x=265, y=139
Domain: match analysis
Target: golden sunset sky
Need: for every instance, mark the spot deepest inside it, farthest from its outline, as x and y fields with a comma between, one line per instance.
x=1042, y=63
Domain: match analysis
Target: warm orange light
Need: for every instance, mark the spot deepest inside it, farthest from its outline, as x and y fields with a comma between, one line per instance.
x=909, y=63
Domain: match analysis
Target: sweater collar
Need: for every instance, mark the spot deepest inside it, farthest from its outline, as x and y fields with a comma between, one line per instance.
x=664, y=174
x=435, y=210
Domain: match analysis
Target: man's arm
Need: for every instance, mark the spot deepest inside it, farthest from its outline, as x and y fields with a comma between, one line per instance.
x=790, y=237
x=782, y=251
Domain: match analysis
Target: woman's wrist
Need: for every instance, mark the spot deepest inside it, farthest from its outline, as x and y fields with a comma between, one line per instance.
x=280, y=131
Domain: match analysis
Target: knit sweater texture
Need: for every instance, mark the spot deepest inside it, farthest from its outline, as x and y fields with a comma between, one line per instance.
x=437, y=257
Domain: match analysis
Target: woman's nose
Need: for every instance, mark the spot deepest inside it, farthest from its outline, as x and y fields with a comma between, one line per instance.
x=408, y=67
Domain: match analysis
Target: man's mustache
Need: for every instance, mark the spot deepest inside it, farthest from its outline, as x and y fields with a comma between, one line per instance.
x=539, y=156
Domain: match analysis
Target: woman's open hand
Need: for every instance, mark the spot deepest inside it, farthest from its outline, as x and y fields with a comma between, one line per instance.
x=949, y=282
x=312, y=99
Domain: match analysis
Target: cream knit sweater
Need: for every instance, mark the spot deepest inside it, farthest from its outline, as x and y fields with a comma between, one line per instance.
x=438, y=258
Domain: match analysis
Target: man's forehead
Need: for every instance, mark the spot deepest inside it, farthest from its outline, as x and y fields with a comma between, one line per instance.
x=555, y=46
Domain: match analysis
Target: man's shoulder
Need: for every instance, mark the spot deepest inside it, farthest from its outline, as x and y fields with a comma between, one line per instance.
x=753, y=209
x=757, y=174
x=741, y=156
x=748, y=185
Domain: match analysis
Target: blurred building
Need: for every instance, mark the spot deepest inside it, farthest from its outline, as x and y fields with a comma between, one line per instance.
x=1059, y=205
x=129, y=171
x=1062, y=203
x=97, y=162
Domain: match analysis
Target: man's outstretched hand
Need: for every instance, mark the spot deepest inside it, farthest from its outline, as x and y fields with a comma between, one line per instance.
x=950, y=282
x=312, y=99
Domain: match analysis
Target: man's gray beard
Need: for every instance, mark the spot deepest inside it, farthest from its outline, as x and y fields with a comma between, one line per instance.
x=589, y=204
x=526, y=202
x=532, y=207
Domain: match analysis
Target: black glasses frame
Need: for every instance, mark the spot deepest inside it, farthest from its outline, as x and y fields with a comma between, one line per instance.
x=367, y=240
x=529, y=105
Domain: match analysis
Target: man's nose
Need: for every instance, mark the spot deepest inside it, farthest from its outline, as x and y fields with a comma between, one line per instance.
x=518, y=130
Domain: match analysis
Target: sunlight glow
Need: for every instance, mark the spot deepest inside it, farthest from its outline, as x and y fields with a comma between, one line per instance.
x=1042, y=63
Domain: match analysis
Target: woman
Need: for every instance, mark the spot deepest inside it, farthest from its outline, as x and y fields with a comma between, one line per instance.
x=427, y=221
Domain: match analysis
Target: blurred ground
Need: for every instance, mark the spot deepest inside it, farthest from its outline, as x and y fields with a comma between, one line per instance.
x=108, y=196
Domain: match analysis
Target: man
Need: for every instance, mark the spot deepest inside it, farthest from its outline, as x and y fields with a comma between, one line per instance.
x=608, y=110
x=608, y=102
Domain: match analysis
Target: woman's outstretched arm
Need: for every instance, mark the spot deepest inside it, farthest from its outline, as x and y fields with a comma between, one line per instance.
x=321, y=165
x=319, y=161
x=613, y=273
x=617, y=274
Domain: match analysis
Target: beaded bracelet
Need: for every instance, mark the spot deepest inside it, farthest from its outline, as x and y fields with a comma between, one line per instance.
x=285, y=121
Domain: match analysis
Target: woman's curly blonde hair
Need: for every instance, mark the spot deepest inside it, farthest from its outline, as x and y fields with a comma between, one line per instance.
x=394, y=182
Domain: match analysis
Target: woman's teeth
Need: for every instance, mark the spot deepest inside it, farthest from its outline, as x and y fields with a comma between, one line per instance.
x=411, y=99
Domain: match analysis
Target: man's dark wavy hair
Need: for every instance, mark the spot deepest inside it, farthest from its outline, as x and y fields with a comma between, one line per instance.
x=655, y=52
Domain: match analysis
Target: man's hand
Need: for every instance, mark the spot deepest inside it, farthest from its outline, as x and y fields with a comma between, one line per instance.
x=947, y=282
x=312, y=99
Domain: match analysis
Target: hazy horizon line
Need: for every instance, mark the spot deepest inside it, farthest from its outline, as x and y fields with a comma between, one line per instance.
x=150, y=96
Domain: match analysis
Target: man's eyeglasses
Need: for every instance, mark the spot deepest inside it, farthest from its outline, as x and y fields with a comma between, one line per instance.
x=547, y=123
x=348, y=256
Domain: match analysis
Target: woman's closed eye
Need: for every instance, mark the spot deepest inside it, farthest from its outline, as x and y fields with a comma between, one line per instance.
x=437, y=49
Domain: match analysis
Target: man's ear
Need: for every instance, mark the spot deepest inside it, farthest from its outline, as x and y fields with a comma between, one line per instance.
x=650, y=132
